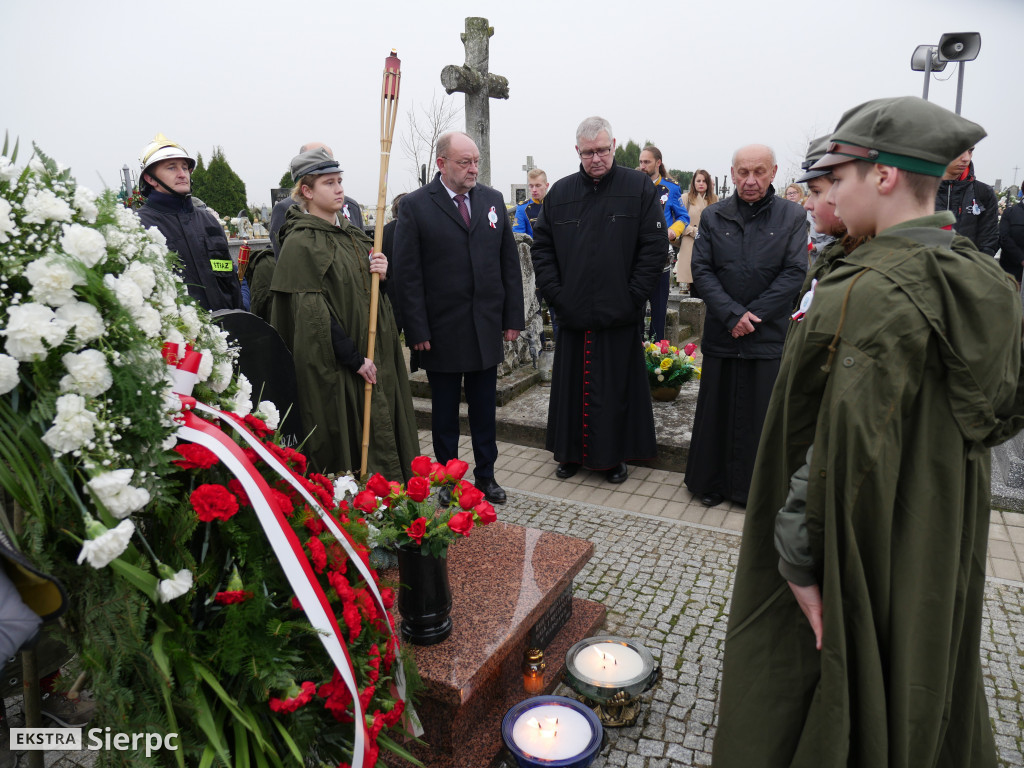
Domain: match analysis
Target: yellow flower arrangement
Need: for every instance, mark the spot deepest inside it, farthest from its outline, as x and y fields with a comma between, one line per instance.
x=668, y=366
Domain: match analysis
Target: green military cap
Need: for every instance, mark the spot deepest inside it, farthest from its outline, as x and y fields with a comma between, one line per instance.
x=314, y=162
x=815, y=151
x=904, y=132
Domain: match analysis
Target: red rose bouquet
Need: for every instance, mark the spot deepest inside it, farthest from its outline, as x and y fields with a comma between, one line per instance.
x=407, y=516
x=255, y=638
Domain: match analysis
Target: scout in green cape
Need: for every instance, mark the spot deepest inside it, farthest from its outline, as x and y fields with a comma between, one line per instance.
x=320, y=304
x=823, y=211
x=854, y=629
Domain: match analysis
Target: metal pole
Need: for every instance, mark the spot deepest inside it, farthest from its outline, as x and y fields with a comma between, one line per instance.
x=959, y=86
x=927, y=75
x=32, y=703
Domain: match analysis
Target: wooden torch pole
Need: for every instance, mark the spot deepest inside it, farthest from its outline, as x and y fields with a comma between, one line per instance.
x=388, y=112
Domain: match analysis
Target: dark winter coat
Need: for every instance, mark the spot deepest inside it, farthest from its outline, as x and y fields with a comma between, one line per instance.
x=974, y=205
x=1011, y=240
x=749, y=266
x=599, y=249
x=194, y=233
x=458, y=287
x=387, y=247
x=259, y=275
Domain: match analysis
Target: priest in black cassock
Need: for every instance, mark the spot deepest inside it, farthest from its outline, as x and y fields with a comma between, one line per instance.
x=599, y=246
x=749, y=261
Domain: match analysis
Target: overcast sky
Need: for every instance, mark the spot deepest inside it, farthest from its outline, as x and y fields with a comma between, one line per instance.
x=92, y=82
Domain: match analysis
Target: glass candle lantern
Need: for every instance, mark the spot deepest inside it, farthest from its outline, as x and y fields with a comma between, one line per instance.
x=610, y=674
x=533, y=671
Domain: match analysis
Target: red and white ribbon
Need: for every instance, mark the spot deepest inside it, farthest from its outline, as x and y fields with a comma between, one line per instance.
x=290, y=555
x=288, y=475
x=184, y=367
x=340, y=534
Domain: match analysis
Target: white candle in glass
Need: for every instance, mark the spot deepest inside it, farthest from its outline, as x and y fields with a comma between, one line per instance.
x=609, y=663
x=538, y=735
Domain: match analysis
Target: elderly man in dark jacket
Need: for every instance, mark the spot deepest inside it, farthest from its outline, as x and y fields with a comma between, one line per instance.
x=972, y=202
x=599, y=248
x=460, y=287
x=749, y=260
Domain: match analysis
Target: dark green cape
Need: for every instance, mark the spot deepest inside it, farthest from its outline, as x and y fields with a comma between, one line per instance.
x=260, y=274
x=926, y=375
x=324, y=272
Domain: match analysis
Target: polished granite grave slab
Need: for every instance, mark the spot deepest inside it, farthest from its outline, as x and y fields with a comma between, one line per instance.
x=504, y=578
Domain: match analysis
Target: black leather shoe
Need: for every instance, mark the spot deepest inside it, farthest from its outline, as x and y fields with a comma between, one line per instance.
x=493, y=492
x=566, y=470
x=711, y=499
x=444, y=496
x=617, y=474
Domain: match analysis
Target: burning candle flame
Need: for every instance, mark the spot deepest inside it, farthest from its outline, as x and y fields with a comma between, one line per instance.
x=606, y=658
x=549, y=731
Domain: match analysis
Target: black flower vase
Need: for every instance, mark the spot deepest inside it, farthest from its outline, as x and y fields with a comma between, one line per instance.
x=424, y=596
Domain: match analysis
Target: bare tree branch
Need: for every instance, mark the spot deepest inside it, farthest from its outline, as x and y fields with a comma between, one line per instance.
x=425, y=127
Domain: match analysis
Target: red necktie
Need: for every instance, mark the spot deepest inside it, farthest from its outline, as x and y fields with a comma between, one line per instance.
x=463, y=208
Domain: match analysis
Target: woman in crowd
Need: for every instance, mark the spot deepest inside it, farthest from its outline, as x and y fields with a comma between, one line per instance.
x=321, y=307
x=795, y=194
x=698, y=198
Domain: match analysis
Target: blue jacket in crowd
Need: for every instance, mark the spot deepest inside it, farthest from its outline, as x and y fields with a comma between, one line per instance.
x=526, y=215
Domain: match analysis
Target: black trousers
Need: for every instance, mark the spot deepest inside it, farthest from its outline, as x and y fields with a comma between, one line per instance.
x=445, y=394
x=659, y=307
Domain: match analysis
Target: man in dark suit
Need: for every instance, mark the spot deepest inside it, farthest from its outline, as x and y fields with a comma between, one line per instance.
x=460, y=288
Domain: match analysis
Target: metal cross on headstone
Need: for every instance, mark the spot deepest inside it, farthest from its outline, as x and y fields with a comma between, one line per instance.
x=473, y=79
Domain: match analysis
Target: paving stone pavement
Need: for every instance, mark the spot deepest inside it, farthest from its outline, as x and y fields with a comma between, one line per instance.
x=663, y=566
x=668, y=582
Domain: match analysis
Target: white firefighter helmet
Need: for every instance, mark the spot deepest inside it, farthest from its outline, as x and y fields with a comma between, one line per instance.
x=160, y=148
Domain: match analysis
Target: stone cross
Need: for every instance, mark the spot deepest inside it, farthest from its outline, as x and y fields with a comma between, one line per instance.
x=473, y=79
x=529, y=164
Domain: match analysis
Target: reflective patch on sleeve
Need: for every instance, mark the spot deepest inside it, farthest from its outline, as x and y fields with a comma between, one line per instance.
x=221, y=265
